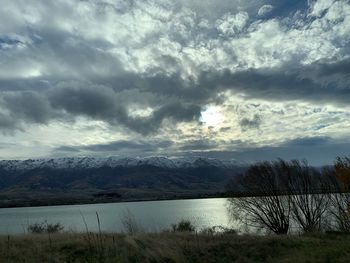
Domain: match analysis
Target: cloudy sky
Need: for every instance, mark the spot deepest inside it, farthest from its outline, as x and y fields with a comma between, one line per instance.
x=241, y=79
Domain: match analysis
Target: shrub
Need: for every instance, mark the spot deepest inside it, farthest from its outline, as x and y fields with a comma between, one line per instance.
x=36, y=228
x=54, y=228
x=130, y=224
x=218, y=230
x=183, y=226
x=44, y=227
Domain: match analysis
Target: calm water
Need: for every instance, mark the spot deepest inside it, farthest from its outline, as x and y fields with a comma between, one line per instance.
x=151, y=215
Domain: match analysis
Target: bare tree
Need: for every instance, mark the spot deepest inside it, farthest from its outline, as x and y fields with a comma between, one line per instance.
x=309, y=195
x=274, y=193
x=339, y=177
x=263, y=205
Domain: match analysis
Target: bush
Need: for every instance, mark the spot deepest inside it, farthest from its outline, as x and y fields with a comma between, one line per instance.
x=54, y=228
x=183, y=226
x=130, y=224
x=218, y=230
x=36, y=228
x=44, y=227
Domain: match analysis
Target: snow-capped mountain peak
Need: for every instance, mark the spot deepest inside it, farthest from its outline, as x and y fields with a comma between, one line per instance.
x=91, y=162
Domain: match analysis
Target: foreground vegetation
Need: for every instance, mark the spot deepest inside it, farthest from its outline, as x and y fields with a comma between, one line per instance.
x=174, y=247
x=278, y=194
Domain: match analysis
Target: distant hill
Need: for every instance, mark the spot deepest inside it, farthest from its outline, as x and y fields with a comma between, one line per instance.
x=84, y=180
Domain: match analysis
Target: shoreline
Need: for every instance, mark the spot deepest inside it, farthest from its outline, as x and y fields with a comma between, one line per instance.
x=108, y=201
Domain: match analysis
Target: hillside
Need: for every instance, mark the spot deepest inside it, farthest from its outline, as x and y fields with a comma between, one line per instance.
x=84, y=180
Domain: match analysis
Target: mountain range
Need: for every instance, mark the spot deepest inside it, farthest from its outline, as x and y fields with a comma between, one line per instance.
x=90, y=162
x=87, y=179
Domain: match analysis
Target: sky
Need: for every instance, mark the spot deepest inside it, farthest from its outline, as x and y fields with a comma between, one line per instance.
x=230, y=79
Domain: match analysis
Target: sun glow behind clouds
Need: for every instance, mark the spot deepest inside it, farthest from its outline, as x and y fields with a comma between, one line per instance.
x=70, y=81
x=211, y=116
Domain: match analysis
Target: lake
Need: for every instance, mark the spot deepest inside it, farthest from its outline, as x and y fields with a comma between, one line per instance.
x=151, y=215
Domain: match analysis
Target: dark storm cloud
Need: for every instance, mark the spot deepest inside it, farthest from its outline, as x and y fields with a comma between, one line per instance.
x=178, y=112
x=341, y=67
x=307, y=83
x=308, y=141
x=129, y=145
x=66, y=55
x=8, y=124
x=29, y=106
x=286, y=83
x=250, y=123
x=30, y=84
x=317, y=150
x=175, y=98
x=25, y=107
x=95, y=102
x=175, y=86
x=65, y=148
x=103, y=103
x=119, y=146
x=195, y=145
x=225, y=129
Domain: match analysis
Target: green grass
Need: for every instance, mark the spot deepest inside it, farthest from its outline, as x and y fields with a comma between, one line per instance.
x=174, y=247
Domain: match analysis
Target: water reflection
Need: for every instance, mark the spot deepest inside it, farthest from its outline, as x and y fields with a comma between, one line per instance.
x=151, y=215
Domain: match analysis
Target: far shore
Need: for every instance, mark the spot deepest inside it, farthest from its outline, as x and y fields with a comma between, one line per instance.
x=58, y=202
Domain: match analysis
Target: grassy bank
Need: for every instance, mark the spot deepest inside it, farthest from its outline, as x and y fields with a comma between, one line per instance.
x=174, y=247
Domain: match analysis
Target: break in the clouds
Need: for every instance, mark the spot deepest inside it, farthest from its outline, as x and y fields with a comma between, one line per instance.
x=235, y=79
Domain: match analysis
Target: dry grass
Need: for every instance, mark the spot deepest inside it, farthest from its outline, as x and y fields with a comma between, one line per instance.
x=174, y=247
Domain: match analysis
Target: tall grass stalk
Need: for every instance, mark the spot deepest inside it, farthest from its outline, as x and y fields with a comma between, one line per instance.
x=99, y=238
x=88, y=235
x=8, y=249
x=130, y=224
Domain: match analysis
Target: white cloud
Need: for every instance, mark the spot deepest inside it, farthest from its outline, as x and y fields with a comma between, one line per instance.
x=103, y=41
x=317, y=7
x=264, y=10
x=229, y=24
